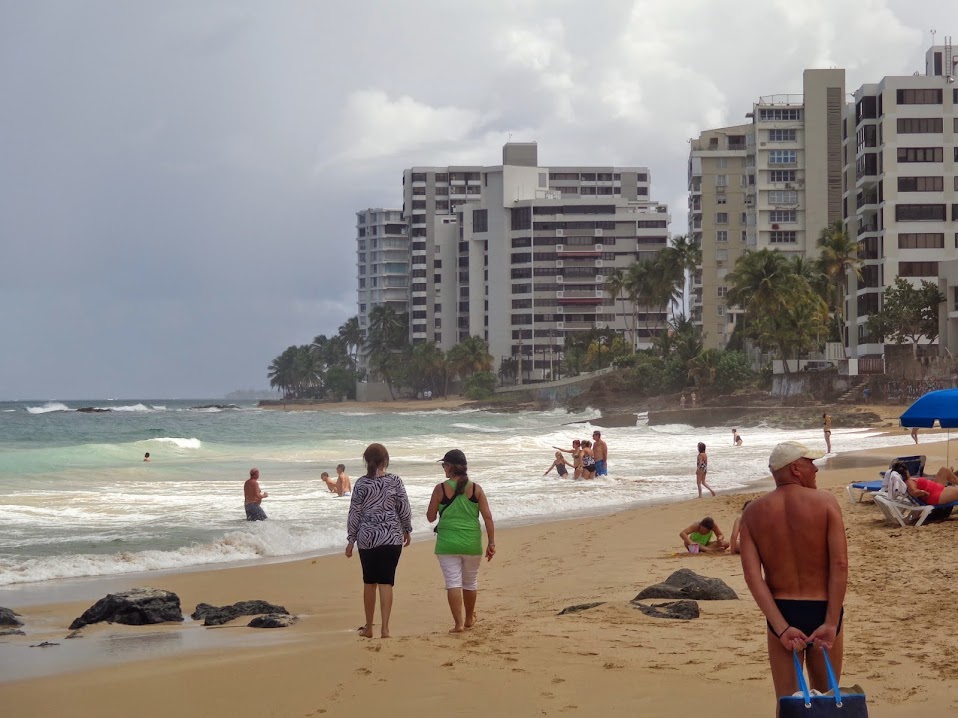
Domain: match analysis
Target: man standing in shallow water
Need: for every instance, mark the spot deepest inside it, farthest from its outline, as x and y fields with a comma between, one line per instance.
x=254, y=497
x=796, y=536
x=600, y=451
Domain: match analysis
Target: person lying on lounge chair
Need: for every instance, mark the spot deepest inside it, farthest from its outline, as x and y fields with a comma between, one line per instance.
x=943, y=489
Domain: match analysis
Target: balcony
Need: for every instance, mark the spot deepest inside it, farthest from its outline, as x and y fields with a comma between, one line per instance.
x=583, y=252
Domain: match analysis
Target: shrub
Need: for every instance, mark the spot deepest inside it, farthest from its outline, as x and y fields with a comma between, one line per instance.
x=480, y=385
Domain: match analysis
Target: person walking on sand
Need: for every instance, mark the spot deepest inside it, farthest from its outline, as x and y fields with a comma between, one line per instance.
x=795, y=562
x=827, y=429
x=701, y=469
x=253, y=497
x=343, y=487
x=736, y=439
x=458, y=503
x=600, y=450
x=380, y=524
x=559, y=465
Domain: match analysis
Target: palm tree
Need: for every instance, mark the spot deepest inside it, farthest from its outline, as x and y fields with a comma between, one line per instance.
x=703, y=368
x=839, y=257
x=636, y=281
x=352, y=336
x=282, y=371
x=689, y=258
x=763, y=283
x=469, y=357
x=427, y=368
x=615, y=284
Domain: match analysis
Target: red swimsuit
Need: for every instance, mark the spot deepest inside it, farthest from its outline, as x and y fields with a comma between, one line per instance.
x=933, y=488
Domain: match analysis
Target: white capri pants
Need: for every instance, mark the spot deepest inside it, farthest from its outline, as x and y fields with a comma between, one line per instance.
x=460, y=571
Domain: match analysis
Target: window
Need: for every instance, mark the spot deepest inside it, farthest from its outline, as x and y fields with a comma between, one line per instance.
x=782, y=175
x=721, y=199
x=921, y=184
x=743, y=219
x=418, y=176
x=651, y=224
x=522, y=257
x=721, y=218
x=564, y=176
x=518, y=242
x=783, y=237
x=721, y=235
x=921, y=240
x=920, y=213
x=442, y=176
x=587, y=190
x=721, y=255
x=721, y=180
x=918, y=97
x=518, y=319
x=920, y=154
x=782, y=157
x=787, y=196
x=781, y=135
x=919, y=125
x=744, y=236
x=522, y=218
x=437, y=264
x=419, y=314
x=419, y=301
x=780, y=114
x=722, y=163
x=721, y=291
x=480, y=220
x=783, y=216
x=918, y=269
x=720, y=310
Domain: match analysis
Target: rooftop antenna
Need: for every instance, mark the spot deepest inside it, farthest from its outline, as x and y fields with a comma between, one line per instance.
x=933, y=32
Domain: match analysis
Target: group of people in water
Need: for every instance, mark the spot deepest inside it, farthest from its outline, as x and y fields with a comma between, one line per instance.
x=589, y=458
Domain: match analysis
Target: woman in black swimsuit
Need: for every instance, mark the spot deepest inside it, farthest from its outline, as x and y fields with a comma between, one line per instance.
x=559, y=465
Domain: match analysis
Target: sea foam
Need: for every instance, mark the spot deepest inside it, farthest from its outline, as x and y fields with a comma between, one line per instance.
x=179, y=442
x=48, y=407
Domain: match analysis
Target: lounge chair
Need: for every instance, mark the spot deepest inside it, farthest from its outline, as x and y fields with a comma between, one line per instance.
x=906, y=511
x=915, y=465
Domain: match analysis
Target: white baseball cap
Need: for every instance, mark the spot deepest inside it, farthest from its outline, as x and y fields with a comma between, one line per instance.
x=789, y=451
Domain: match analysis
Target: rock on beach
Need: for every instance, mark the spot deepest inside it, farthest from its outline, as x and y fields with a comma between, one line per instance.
x=136, y=607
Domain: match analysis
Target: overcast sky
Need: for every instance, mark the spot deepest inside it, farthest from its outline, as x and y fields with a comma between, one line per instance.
x=178, y=180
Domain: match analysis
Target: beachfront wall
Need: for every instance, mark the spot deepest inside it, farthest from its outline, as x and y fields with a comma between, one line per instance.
x=820, y=385
x=372, y=391
x=559, y=390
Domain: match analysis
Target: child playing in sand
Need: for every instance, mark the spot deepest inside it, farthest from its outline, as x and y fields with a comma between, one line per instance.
x=703, y=536
x=559, y=465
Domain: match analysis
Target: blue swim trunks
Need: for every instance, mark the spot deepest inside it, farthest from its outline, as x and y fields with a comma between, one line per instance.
x=254, y=512
x=601, y=469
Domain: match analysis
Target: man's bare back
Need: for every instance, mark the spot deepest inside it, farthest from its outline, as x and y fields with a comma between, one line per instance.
x=789, y=528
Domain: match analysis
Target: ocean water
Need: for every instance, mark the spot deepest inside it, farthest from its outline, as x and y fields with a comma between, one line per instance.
x=77, y=500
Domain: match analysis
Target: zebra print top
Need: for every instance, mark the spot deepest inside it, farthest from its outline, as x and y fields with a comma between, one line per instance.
x=379, y=512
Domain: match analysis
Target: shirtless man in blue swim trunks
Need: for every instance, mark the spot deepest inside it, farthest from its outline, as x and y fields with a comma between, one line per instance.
x=805, y=568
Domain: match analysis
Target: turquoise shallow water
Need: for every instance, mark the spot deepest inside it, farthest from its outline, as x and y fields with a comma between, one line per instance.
x=77, y=499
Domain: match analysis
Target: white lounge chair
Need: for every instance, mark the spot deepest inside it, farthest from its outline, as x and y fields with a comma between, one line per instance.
x=907, y=512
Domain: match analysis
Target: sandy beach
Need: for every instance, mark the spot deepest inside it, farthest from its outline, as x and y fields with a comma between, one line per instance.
x=521, y=659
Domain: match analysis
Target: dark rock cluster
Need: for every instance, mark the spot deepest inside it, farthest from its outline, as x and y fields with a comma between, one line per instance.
x=136, y=607
x=218, y=615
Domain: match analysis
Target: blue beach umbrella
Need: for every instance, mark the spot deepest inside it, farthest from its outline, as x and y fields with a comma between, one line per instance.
x=940, y=406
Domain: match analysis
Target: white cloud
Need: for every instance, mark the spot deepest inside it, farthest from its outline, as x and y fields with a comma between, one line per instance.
x=374, y=126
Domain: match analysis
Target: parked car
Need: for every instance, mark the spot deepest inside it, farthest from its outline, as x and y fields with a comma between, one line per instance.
x=818, y=365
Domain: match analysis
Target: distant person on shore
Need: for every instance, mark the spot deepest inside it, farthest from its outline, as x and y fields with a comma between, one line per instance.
x=253, y=497
x=600, y=451
x=380, y=523
x=795, y=562
x=330, y=484
x=736, y=439
x=458, y=503
x=695, y=399
x=866, y=394
x=703, y=537
x=588, y=460
x=701, y=469
x=827, y=429
x=146, y=456
x=559, y=465
x=733, y=539
x=576, y=453
x=682, y=401
x=343, y=487
x=914, y=435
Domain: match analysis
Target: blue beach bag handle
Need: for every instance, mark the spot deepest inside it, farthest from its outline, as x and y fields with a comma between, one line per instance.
x=803, y=684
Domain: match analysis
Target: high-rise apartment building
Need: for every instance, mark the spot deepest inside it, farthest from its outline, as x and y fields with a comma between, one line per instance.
x=518, y=254
x=901, y=186
x=790, y=186
x=719, y=196
x=382, y=262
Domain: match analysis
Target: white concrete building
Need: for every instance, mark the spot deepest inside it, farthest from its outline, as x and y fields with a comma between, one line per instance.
x=518, y=254
x=382, y=262
x=901, y=188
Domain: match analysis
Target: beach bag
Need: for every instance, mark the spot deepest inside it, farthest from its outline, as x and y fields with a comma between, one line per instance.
x=834, y=704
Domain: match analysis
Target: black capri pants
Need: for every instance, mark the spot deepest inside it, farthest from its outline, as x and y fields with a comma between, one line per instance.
x=379, y=563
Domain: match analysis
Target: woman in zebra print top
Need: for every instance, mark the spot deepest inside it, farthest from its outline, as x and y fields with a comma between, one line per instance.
x=380, y=523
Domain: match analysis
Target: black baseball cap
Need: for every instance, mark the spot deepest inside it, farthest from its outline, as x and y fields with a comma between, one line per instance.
x=453, y=456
